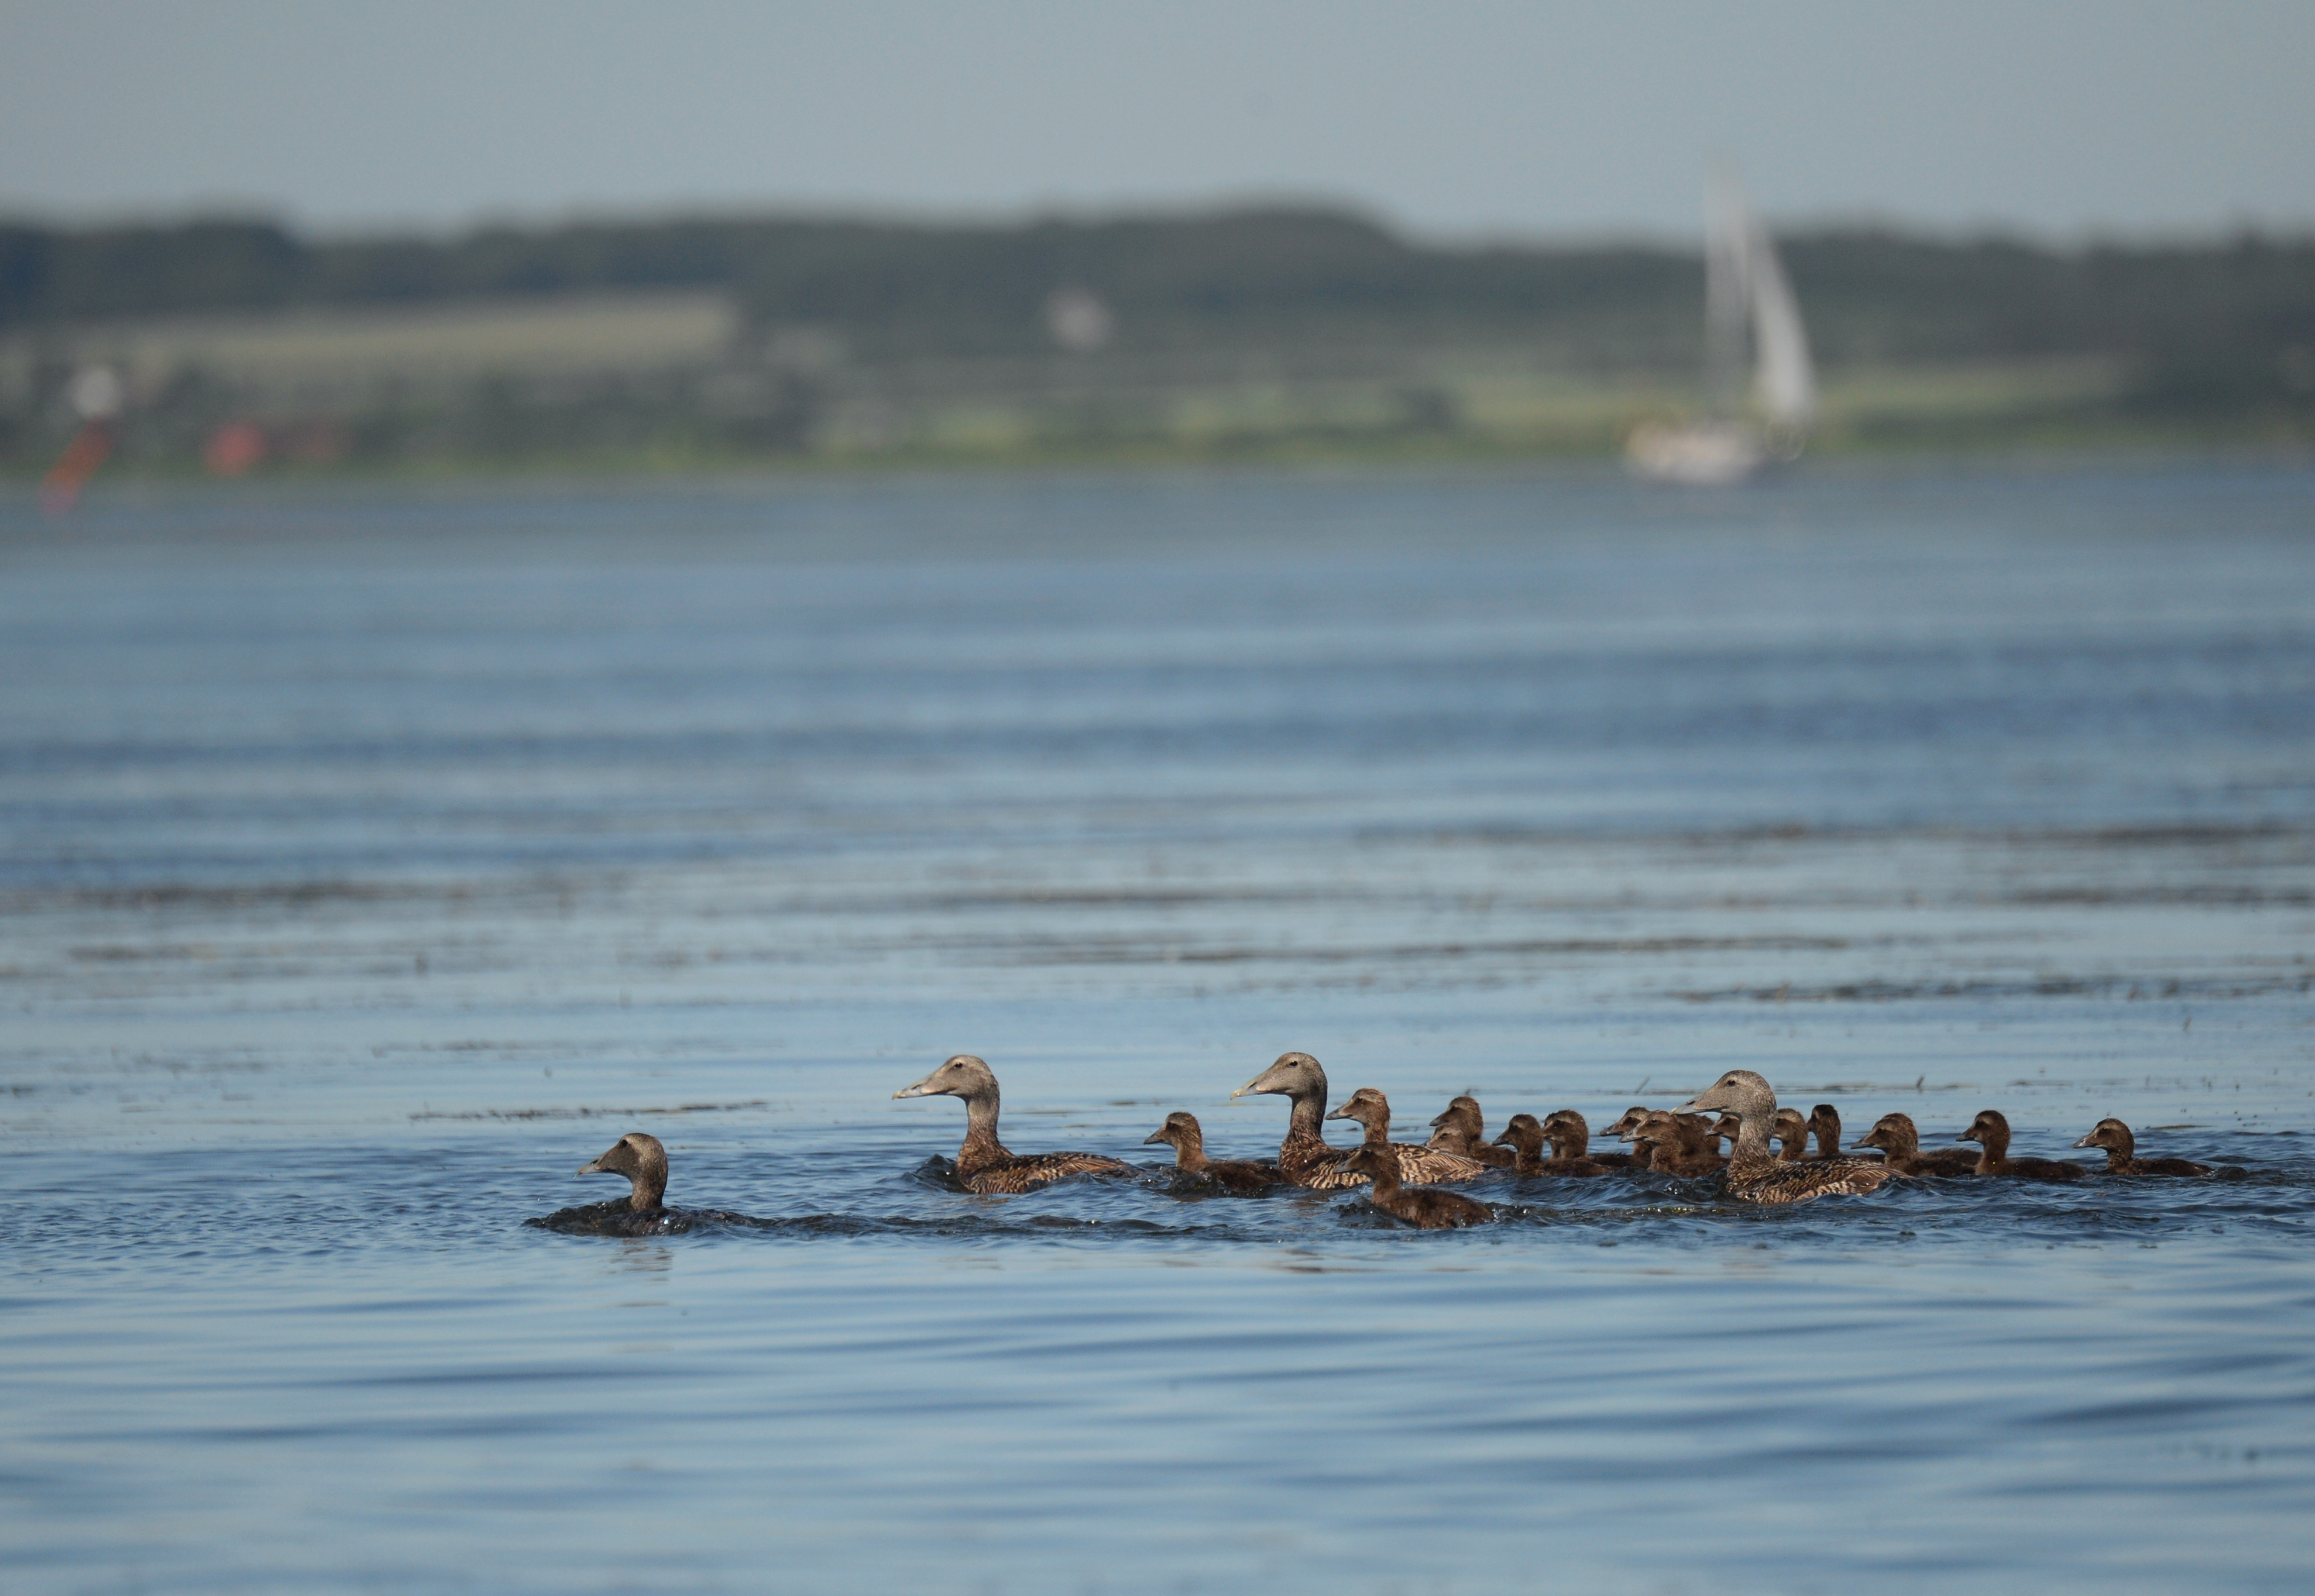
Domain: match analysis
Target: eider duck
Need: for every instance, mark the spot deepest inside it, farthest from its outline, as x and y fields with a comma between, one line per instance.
x=1895, y=1135
x=1686, y=1144
x=2121, y=1153
x=643, y=1211
x=643, y=1161
x=983, y=1164
x=1674, y=1144
x=1990, y=1131
x=1426, y=1207
x=1526, y=1135
x=1824, y=1124
x=1571, y=1138
x=1462, y=1128
x=1621, y=1131
x=1304, y=1157
x=1371, y=1109
x=1755, y=1176
x=1791, y=1132
x=1190, y=1157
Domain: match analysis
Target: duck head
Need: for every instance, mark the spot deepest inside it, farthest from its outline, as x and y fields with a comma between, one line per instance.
x=643, y=1162
x=2113, y=1135
x=1180, y=1128
x=1293, y=1074
x=1739, y=1092
x=1525, y=1132
x=1989, y=1126
x=963, y=1075
x=1368, y=1107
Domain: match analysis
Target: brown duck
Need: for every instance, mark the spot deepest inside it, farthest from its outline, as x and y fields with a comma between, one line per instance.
x=1756, y=1177
x=1990, y=1131
x=1792, y=1133
x=643, y=1161
x=1304, y=1157
x=1430, y=1166
x=1681, y=1144
x=2122, y=1153
x=1190, y=1155
x=984, y=1163
x=1897, y=1137
x=1427, y=1207
x=1824, y=1124
x=1571, y=1138
x=1462, y=1128
x=643, y=1210
x=1526, y=1135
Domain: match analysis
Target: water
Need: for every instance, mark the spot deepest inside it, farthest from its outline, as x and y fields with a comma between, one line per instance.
x=370, y=862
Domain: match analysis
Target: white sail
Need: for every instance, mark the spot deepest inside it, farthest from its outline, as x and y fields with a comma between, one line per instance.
x=1748, y=301
x=1784, y=379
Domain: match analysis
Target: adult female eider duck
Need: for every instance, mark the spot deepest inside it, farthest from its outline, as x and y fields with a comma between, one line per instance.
x=1233, y=1175
x=1430, y=1165
x=643, y=1211
x=1756, y=1177
x=983, y=1164
x=1427, y=1207
x=1990, y=1131
x=2122, y=1153
x=1896, y=1135
x=1304, y=1157
x=1462, y=1128
x=1526, y=1136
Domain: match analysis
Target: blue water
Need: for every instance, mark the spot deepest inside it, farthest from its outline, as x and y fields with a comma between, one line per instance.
x=370, y=860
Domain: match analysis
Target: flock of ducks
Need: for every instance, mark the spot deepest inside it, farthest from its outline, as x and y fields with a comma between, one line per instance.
x=1407, y=1181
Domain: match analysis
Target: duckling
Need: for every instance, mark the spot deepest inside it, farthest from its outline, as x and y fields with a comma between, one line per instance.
x=1190, y=1155
x=1681, y=1144
x=1990, y=1131
x=1526, y=1136
x=1304, y=1157
x=983, y=1164
x=1462, y=1129
x=1753, y=1175
x=1626, y=1124
x=1824, y=1124
x=1371, y=1109
x=1427, y=1207
x=1571, y=1138
x=1895, y=1135
x=1792, y=1133
x=644, y=1211
x=2122, y=1153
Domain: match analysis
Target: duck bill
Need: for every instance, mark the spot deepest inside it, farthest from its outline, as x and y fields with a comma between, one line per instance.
x=592, y=1167
x=1340, y=1113
x=1153, y=1136
x=2086, y=1142
x=923, y=1089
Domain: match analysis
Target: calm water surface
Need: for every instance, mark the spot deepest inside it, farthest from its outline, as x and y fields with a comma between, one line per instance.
x=368, y=862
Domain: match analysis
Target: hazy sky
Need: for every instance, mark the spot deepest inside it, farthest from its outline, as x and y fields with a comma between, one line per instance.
x=2055, y=116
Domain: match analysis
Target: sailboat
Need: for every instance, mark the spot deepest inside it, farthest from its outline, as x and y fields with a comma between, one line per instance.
x=1747, y=300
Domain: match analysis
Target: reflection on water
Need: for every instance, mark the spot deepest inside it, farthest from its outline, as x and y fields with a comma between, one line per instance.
x=367, y=864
